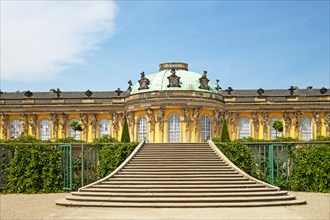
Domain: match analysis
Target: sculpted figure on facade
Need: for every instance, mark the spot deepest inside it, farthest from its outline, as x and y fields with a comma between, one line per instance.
x=327, y=123
x=186, y=117
x=33, y=124
x=63, y=124
x=265, y=123
x=4, y=124
x=217, y=118
x=115, y=123
x=256, y=124
x=160, y=118
x=92, y=122
x=131, y=123
x=296, y=123
x=151, y=119
x=84, y=122
x=197, y=111
x=287, y=123
x=233, y=118
x=318, y=122
x=24, y=126
x=54, y=120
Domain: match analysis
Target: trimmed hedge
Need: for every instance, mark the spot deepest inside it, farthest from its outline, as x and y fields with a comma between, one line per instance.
x=241, y=156
x=111, y=156
x=312, y=168
x=35, y=168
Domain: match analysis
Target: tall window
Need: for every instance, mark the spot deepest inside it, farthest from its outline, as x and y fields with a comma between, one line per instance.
x=272, y=131
x=142, y=128
x=174, y=129
x=306, y=128
x=44, y=129
x=72, y=133
x=14, y=128
x=206, y=128
x=244, y=127
x=104, y=127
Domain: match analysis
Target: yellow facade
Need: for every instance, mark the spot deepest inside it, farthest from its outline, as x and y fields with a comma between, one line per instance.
x=305, y=113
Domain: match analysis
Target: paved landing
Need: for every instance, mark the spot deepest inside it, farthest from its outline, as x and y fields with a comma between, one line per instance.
x=177, y=213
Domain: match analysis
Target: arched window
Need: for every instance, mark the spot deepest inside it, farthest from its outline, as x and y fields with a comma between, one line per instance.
x=244, y=127
x=306, y=128
x=44, y=129
x=174, y=129
x=72, y=133
x=142, y=128
x=104, y=127
x=272, y=131
x=206, y=128
x=15, y=127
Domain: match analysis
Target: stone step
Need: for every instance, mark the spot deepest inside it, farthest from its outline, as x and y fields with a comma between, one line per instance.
x=180, y=186
x=66, y=202
x=186, y=179
x=180, y=199
x=175, y=166
x=177, y=176
x=176, y=157
x=163, y=169
x=181, y=173
x=138, y=162
x=181, y=194
x=207, y=164
x=176, y=182
x=182, y=160
x=179, y=190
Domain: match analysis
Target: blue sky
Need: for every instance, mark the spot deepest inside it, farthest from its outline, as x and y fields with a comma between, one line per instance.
x=244, y=44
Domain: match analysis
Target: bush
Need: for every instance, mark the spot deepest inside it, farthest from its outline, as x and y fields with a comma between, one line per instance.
x=35, y=168
x=111, y=156
x=68, y=140
x=241, y=156
x=311, y=169
x=224, y=137
x=125, y=135
x=105, y=139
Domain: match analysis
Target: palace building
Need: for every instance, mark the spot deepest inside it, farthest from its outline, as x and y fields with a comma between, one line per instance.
x=172, y=104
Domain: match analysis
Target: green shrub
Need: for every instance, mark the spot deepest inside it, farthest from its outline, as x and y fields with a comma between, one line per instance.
x=35, y=168
x=125, y=135
x=67, y=140
x=312, y=168
x=25, y=139
x=224, y=137
x=111, y=156
x=105, y=139
x=321, y=138
x=241, y=156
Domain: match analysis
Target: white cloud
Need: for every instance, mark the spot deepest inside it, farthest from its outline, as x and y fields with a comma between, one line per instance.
x=40, y=39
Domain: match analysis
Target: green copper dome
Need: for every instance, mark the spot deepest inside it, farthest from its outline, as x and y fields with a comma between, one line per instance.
x=173, y=77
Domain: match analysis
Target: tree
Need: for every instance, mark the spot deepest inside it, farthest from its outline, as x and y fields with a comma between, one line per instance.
x=278, y=126
x=125, y=135
x=76, y=126
x=224, y=137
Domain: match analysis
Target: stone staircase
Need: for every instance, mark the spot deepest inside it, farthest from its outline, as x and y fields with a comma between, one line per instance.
x=178, y=175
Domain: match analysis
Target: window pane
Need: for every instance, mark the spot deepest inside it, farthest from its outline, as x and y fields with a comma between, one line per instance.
x=244, y=127
x=174, y=129
x=14, y=128
x=306, y=128
x=104, y=127
x=72, y=133
x=272, y=131
x=44, y=130
x=142, y=129
x=206, y=128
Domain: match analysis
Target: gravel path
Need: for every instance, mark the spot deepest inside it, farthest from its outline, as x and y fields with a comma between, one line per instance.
x=42, y=206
